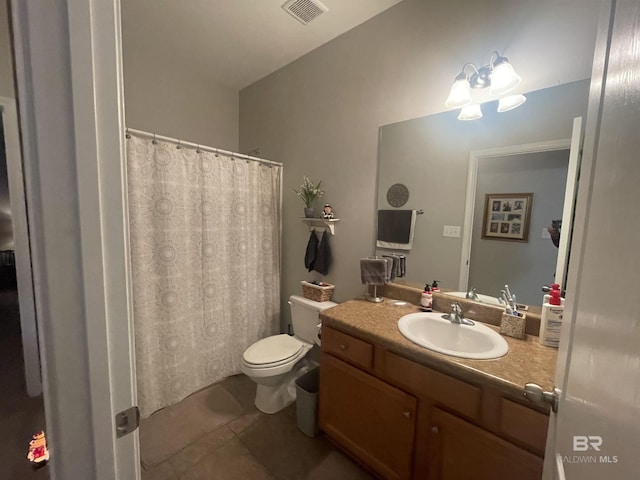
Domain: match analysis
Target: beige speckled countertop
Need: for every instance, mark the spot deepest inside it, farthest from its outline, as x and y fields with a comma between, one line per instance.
x=526, y=361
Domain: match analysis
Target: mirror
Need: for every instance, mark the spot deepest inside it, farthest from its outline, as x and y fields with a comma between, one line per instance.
x=431, y=156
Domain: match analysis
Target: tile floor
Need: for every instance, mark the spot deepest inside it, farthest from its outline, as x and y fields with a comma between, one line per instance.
x=256, y=446
x=20, y=416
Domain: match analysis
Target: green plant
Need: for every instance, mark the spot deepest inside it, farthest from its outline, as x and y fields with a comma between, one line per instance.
x=309, y=192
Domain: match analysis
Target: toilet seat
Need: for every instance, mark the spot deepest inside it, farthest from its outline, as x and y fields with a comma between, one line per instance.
x=273, y=351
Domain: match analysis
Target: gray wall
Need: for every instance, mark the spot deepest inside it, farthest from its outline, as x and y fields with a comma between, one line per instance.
x=430, y=155
x=166, y=96
x=524, y=266
x=320, y=114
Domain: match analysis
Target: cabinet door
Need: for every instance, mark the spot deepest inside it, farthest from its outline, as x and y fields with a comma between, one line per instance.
x=462, y=451
x=371, y=419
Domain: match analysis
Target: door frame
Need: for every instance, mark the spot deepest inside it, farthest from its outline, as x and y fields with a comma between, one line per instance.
x=70, y=90
x=28, y=327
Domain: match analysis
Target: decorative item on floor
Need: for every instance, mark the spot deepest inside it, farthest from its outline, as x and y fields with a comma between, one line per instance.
x=309, y=192
x=327, y=212
x=324, y=258
x=317, y=291
x=507, y=216
x=38, y=453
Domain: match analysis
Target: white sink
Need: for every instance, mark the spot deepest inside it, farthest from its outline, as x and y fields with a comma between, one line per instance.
x=481, y=298
x=431, y=331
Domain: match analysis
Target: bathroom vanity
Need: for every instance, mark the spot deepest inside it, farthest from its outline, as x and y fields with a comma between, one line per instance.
x=407, y=412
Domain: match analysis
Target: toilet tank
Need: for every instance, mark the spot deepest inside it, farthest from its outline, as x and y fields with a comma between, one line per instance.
x=305, y=317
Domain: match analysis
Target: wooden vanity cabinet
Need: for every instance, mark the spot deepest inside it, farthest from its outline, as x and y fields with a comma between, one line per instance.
x=405, y=420
x=372, y=420
x=459, y=450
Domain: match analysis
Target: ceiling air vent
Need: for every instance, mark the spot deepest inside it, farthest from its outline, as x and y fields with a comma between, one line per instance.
x=304, y=10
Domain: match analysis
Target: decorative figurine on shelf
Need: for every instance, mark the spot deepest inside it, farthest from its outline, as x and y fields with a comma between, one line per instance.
x=327, y=213
x=38, y=453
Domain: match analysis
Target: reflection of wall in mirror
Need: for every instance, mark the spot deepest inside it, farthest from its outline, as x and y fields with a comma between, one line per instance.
x=430, y=155
x=524, y=266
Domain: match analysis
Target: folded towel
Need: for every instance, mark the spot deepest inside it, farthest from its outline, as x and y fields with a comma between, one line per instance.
x=312, y=251
x=324, y=257
x=395, y=229
x=374, y=271
x=395, y=266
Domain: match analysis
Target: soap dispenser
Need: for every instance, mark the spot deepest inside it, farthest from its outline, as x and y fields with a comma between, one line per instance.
x=551, y=322
x=434, y=286
x=426, y=299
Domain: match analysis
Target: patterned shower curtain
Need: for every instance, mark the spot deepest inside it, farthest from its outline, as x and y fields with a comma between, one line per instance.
x=205, y=255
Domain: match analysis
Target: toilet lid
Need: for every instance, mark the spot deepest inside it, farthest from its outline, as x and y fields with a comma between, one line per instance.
x=272, y=349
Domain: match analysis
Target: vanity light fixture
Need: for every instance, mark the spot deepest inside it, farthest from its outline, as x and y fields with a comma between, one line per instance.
x=498, y=75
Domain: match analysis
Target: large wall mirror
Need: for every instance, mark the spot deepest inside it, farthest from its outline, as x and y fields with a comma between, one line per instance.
x=449, y=166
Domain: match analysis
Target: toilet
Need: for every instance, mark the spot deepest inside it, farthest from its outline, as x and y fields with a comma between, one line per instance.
x=275, y=362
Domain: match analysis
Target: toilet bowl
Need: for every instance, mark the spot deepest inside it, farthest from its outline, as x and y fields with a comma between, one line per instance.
x=275, y=362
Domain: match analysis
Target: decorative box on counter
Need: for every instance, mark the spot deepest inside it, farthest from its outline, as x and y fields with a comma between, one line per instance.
x=513, y=325
x=320, y=292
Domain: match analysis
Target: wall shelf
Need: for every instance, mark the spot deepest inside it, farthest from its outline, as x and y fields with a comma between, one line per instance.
x=325, y=223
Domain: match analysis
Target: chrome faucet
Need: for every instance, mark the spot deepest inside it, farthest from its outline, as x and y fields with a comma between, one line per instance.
x=472, y=294
x=456, y=315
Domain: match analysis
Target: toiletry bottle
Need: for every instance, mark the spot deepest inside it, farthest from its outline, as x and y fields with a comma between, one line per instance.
x=426, y=300
x=551, y=322
x=549, y=289
x=434, y=286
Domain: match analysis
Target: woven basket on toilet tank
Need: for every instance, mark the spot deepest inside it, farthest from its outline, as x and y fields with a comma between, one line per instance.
x=319, y=293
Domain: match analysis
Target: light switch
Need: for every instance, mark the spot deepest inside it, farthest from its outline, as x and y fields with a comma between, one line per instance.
x=451, y=231
x=545, y=233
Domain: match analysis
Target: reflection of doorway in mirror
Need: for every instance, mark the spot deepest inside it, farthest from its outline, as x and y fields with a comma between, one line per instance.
x=496, y=259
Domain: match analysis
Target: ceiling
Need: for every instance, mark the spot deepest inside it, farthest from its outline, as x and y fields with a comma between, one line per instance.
x=235, y=42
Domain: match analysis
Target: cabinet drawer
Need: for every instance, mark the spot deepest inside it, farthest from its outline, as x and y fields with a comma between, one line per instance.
x=346, y=347
x=450, y=392
x=524, y=425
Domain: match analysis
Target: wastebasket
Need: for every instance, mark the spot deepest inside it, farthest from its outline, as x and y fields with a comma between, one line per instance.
x=307, y=387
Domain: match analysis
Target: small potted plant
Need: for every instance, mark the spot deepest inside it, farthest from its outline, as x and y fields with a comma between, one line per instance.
x=309, y=192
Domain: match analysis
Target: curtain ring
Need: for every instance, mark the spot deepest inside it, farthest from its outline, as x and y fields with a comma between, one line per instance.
x=198, y=149
x=153, y=141
x=127, y=135
x=179, y=146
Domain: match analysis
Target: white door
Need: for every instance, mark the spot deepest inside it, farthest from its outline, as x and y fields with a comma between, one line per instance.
x=69, y=85
x=595, y=433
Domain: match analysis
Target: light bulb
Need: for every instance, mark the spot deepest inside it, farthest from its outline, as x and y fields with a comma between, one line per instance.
x=460, y=94
x=470, y=112
x=510, y=102
x=503, y=78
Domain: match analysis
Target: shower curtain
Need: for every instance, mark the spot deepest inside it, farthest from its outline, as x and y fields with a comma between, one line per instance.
x=205, y=256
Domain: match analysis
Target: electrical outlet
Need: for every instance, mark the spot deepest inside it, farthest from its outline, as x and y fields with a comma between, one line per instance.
x=545, y=233
x=451, y=231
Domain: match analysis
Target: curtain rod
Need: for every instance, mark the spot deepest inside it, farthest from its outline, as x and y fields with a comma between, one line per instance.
x=182, y=143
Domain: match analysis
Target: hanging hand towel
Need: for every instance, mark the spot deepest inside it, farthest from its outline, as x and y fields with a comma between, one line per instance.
x=324, y=258
x=395, y=229
x=312, y=251
x=373, y=271
x=395, y=266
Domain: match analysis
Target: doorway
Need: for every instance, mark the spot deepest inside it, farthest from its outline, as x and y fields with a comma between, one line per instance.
x=21, y=402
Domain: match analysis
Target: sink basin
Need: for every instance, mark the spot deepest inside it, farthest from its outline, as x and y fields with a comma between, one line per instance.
x=431, y=331
x=481, y=298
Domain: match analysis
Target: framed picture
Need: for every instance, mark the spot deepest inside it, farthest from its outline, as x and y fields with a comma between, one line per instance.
x=506, y=216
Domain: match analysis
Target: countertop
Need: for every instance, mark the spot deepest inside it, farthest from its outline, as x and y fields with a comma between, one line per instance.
x=526, y=361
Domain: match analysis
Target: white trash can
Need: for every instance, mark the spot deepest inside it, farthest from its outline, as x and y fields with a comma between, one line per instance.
x=307, y=387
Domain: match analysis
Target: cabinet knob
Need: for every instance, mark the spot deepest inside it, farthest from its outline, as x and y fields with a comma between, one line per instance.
x=407, y=413
x=343, y=347
x=435, y=429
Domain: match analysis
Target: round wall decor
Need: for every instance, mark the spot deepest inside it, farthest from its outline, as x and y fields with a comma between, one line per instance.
x=397, y=195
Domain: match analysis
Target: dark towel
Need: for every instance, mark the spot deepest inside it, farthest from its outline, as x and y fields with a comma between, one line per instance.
x=312, y=251
x=323, y=259
x=394, y=226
